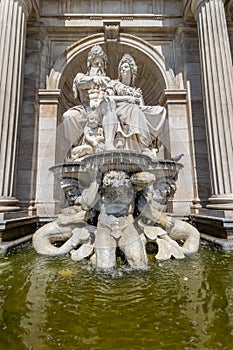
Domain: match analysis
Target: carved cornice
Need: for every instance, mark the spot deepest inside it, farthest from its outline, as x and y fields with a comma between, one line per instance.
x=47, y=97
x=173, y=97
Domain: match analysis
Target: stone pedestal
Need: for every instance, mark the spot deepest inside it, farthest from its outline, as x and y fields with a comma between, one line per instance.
x=13, y=18
x=217, y=73
x=8, y=204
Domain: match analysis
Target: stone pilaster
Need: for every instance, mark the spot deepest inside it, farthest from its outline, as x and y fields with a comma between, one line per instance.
x=49, y=147
x=217, y=73
x=176, y=140
x=13, y=18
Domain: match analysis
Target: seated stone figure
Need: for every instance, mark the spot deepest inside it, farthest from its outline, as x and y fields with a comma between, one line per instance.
x=139, y=125
x=93, y=139
x=90, y=88
x=127, y=123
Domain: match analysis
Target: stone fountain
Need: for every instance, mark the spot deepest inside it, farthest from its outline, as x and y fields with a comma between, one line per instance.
x=116, y=190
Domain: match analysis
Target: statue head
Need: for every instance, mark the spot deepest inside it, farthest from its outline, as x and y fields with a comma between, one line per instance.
x=163, y=190
x=94, y=119
x=117, y=187
x=96, y=65
x=97, y=61
x=115, y=178
x=128, y=60
x=71, y=190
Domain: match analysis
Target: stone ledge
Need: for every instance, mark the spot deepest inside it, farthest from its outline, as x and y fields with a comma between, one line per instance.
x=15, y=228
x=214, y=226
x=7, y=246
x=43, y=220
x=225, y=244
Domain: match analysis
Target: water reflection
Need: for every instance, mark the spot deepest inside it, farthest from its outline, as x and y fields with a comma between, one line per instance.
x=36, y=303
x=55, y=303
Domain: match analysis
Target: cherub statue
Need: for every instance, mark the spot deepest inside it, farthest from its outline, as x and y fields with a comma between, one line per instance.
x=93, y=140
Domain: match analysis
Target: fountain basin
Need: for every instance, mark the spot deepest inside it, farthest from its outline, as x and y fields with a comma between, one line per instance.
x=131, y=162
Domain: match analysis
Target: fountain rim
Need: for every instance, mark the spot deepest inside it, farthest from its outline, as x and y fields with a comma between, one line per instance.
x=148, y=164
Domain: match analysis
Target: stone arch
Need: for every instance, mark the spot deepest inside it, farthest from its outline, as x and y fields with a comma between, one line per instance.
x=154, y=74
x=157, y=81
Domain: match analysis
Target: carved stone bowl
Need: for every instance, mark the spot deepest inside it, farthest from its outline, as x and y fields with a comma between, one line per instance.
x=86, y=169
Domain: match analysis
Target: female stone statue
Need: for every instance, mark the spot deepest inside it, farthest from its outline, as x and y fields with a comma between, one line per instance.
x=139, y=125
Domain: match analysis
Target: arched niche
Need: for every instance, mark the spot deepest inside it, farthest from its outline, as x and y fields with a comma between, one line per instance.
x=157, y=81
x=154, y=76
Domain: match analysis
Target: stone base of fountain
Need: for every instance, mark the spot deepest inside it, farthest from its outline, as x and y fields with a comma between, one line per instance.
x=117, y=201
x=218, y=226
x=16, y=228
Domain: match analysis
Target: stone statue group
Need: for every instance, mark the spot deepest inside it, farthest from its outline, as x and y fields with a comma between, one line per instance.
x=112, y=114
x=121, y=210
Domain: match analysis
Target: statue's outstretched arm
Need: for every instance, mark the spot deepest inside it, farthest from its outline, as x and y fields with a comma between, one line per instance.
x=83, y=81
x=90, y=196
x=75, y=217
x=125, y=98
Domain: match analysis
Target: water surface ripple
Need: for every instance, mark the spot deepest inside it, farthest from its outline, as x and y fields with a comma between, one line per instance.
x=55, y=303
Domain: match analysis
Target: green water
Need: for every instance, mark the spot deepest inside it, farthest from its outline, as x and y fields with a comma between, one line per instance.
x=56, y=303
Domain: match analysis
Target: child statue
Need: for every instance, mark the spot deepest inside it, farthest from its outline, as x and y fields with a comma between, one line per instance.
x=93, y=140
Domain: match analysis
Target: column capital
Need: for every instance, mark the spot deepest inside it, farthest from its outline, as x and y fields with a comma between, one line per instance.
x=229, y=7
x=26, y=5
x=196, y=4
